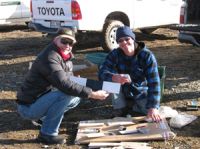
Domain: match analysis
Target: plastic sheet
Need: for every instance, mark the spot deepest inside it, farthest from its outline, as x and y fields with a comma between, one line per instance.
x=181, y=120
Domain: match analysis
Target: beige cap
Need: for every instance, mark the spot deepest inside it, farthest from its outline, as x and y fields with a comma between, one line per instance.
x=67, y=33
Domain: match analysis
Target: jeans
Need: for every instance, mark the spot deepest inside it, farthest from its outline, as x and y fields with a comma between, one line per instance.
x=51, y=108
x=139, y=105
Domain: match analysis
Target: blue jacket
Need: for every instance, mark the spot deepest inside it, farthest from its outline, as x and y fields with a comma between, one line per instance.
x=142, y=68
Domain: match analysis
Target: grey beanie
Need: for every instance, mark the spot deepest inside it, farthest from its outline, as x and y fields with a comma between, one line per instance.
x=124, y=31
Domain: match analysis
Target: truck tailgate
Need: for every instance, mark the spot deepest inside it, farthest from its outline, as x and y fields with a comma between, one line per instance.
x=48, y=10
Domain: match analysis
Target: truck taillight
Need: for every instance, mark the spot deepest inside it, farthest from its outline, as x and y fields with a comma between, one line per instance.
x=183, y=14
x=31, y=9
x=76, y=11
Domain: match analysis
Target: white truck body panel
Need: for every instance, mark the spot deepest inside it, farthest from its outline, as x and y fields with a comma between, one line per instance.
x=156, y=12
x=94, y=17
x=14, y=11
x=25, y=9
x=10, y=9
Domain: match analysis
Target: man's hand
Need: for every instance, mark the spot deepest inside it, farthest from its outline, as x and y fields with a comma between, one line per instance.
x=121, y=78
x=100, y=95
x=154, y=115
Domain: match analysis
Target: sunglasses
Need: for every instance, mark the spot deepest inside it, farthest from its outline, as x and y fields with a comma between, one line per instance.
x=66, y=41
x=124, y=39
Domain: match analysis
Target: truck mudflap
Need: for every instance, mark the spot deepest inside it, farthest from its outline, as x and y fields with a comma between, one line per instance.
x=188, y=33
x=193, y=39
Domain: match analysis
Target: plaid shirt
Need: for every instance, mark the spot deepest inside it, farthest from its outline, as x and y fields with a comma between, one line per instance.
x=142, y=69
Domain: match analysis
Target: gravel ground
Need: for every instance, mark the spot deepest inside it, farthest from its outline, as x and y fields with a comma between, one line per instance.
x=19, y=46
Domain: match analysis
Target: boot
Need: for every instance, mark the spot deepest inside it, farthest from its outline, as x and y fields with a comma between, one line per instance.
x=47, y=139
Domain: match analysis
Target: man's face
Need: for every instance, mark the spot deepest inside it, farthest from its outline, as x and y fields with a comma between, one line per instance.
x=64, y=43
x=127, y=45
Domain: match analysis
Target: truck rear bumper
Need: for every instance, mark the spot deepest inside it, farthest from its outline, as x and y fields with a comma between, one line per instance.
x=186, y=27
x=38, y=27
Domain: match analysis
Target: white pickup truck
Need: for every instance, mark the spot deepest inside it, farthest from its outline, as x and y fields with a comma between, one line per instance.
x=14, y=12
x=105, y=16
x=190, y=32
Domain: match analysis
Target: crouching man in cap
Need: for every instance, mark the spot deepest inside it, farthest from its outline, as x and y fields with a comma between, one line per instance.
x=135, y=68
x=53, y=68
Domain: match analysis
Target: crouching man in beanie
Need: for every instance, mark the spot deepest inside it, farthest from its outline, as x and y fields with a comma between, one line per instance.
x=135, y=68
x=53, y=68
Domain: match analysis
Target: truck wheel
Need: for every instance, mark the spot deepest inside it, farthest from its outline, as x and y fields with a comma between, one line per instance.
x=109, y=34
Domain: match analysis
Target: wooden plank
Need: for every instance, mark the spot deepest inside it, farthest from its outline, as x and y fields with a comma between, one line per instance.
x=118, y=138
x=103, y=122
x=132, y=128
x=129, y=132
x=139, y=119
x=137, y=145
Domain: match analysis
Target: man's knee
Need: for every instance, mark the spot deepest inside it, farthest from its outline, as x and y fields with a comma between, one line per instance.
x=70, y=101
x=118, y=101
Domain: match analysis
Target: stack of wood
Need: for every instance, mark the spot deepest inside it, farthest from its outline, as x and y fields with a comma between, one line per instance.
x=122, y=131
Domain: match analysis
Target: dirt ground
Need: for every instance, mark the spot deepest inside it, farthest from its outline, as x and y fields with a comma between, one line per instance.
x=19, y=46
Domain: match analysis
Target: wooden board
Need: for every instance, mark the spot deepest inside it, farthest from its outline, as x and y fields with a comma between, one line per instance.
x=122, y=129
x=120, y=145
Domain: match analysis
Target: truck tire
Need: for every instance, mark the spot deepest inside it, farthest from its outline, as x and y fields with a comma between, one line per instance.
x=109, y=34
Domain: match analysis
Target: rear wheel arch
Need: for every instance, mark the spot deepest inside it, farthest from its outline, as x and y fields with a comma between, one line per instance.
x=112, y=22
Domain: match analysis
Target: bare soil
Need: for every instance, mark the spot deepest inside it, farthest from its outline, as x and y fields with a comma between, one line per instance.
x=19, y=46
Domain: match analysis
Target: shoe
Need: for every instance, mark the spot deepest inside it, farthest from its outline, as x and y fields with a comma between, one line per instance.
x=37, y=123
x=47, y=139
